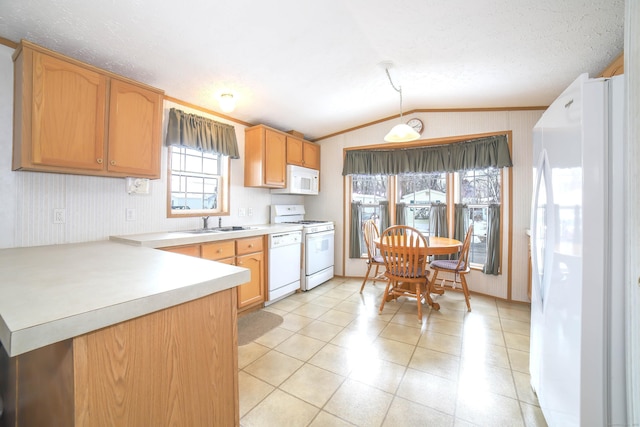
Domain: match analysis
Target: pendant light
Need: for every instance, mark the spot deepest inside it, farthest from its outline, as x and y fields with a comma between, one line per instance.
x=400, y=132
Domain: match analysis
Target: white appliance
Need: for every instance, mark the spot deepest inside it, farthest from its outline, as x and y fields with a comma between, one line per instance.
x=577, y=307
x=284, y=264
x=300, y=180
x=318, y=244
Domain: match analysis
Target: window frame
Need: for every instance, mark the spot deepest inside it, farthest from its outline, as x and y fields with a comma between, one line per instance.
x=505, y=175
x=223, y=188
x=484, y=206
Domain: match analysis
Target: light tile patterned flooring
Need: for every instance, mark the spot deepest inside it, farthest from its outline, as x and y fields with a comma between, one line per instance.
x=335, y=361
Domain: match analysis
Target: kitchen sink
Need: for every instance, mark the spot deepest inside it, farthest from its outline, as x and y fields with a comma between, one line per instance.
x=218, y=230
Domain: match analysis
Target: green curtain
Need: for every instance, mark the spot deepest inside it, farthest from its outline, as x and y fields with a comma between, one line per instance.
x=438, y=220
x=355, y=234
x=384, y=215
x=202, y=134
x=401, y=214
x=492, y=264
x=461, y=221
x=479, y=153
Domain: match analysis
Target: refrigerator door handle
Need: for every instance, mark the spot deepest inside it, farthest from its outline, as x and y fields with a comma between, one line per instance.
x=542, y=229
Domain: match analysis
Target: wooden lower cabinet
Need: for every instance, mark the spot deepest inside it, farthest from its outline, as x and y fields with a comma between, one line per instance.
x=177, y=366
x=251, y=293
x=247, y=253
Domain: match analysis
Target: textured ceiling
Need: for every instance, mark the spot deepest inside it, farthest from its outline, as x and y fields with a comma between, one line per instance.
x=314, y=66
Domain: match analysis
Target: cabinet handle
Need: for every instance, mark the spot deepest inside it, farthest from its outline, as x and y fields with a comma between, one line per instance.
x=113, y=162
x=99, y=161
x=239, y=263
x=251, y=245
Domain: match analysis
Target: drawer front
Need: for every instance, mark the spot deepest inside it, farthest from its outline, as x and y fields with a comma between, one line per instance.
x=192, y=250
x=218, y=250
x=249, y=245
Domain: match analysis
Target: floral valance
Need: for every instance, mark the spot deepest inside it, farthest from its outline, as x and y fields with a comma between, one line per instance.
x=202, y=134
x=479, y=153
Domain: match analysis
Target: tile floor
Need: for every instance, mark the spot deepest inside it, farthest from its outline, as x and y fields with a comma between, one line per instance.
x=335, y=361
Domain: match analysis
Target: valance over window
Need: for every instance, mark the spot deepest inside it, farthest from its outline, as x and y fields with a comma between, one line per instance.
x=480, y=153
x=202, y=134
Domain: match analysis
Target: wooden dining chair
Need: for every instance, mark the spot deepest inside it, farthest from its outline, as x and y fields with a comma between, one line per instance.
x=403, y=250
x=370, y=232
x=459, y=268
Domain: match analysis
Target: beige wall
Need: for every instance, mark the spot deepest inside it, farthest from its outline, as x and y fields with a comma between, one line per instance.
x=329, y=205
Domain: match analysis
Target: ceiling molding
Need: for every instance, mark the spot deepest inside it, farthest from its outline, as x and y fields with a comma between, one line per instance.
x=432, y=110
x=615, y=68
x=8, y=42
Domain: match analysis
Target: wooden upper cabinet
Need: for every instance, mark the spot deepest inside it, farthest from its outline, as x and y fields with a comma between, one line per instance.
x=303, y=153
x=264, y=157
x=70, y=117
x=63, y=115
x=135, y=119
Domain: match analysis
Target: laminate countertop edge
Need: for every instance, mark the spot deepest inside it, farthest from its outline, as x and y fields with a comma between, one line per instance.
x=178, y=238
x=52, y=293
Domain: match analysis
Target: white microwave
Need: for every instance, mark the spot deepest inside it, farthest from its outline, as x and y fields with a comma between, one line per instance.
x=300, y=181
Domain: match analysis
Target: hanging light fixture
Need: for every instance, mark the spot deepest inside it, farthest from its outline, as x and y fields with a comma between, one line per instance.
x=227, y=103
x=400, y=132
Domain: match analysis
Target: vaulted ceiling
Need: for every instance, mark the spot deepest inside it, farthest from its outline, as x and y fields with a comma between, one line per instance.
x=314, y=66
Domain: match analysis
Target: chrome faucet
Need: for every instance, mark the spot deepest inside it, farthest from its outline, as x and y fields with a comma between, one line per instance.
x=205, y=221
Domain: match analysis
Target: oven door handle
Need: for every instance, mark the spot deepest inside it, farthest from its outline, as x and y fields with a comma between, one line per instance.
x=320, y=234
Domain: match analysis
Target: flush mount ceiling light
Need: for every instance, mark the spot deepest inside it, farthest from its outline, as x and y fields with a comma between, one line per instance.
x=227, y=102
x=400, y=132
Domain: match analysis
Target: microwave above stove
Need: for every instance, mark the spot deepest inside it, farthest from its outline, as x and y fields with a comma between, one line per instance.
x=300, y=180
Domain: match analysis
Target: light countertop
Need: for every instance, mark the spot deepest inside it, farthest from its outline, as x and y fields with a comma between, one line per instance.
x=177, y=238
x=52, y=293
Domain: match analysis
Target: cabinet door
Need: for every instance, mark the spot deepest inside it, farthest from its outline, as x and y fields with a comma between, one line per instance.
x=311, y=155
x=251, y=292
x=68, y=115
x=275, y=159
x=294, y=151
x=135, y=115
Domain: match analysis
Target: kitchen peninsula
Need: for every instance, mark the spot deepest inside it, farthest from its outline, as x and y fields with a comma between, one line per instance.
x=104, y=333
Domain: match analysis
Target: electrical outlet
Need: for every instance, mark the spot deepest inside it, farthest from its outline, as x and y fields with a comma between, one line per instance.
x=242, y=212
x=131, y=214
x=250, y=211
x=58, y=216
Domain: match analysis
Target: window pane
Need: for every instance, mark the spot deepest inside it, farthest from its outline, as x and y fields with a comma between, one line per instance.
x=479, y=189
x=369, y=190
x=478, y=249
x=480, y=186
x=418, y=192
x=195, y=179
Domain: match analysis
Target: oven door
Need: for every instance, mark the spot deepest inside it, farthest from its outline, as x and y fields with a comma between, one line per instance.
x=318, y=251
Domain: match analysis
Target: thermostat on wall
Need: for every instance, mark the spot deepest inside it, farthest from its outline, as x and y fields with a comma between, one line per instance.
x=138, y=185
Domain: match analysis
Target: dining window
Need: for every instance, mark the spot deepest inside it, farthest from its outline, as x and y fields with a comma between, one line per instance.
x=479, y=189
x=370, y=194
x=419, y=197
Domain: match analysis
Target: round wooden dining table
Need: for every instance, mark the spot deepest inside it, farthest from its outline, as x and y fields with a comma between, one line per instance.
x=438, y=246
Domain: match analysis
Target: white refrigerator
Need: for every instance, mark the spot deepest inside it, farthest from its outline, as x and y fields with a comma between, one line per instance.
x=577, y=307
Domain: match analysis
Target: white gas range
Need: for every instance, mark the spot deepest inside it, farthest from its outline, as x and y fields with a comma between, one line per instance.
x=317, y=244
